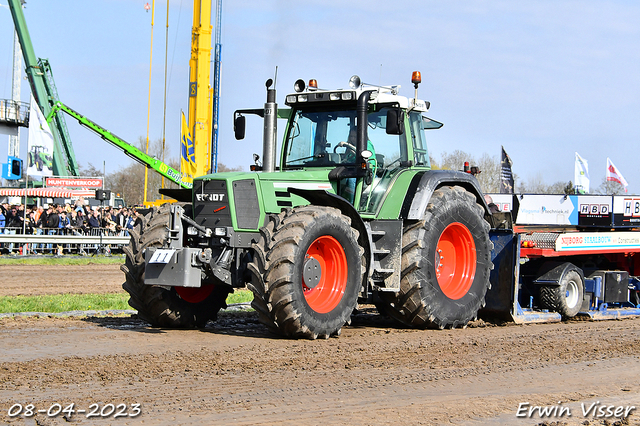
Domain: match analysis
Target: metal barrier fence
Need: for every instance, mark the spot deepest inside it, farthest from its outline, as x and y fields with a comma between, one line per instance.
x=50, y=241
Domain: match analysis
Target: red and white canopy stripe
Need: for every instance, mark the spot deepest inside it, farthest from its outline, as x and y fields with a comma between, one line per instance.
x=46, y=192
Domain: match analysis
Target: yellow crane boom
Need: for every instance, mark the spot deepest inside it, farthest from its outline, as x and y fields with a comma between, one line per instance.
x=200, y=91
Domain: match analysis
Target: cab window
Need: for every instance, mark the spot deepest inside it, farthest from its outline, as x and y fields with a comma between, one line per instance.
x=321, y=138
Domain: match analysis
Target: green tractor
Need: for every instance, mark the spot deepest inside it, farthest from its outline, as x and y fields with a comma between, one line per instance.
x=40, y=158
x=352, y=214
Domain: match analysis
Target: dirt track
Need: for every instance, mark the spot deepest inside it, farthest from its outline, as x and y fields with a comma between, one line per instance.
x=234, y=372
x=76, y=279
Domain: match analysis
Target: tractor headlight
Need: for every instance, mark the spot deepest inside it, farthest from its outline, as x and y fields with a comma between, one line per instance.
x=220, y=232
x=191, y=230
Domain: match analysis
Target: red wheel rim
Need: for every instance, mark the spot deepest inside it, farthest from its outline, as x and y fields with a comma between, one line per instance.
x=455, y=261
x=330, y=280
x=194, y=294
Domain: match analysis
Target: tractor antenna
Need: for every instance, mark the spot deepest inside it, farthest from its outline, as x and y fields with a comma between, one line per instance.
x=275, y=79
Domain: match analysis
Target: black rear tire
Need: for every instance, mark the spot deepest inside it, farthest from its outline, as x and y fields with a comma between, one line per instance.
x=163, y=306
x=446, y=261
x=307, y=272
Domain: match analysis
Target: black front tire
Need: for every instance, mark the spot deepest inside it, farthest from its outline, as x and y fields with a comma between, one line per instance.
x=289, y=297
x=163, y=306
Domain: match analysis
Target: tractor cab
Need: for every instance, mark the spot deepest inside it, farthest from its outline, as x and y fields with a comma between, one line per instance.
x=323, y=132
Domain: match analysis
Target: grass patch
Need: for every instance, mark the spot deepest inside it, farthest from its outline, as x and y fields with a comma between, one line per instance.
x=240, y=296
x=62, y=260
x=84, y=302
x=64, y=302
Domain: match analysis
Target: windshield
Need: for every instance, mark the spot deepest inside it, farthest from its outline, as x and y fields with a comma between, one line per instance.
x=328, y=138
x=321, y=138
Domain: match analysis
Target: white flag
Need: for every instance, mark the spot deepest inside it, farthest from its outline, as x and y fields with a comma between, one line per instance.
x=581, y=175
x=40, y=145
x=614, y=175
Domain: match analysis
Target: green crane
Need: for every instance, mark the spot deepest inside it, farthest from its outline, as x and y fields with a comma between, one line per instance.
x=43, y=89
x=151, y=162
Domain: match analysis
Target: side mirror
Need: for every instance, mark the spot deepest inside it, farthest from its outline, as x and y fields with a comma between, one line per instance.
x=239, y=126
x=395, y=122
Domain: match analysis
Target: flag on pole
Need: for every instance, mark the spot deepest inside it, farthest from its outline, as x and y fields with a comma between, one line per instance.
x=506, y=176
x=613, y=174
x=40, y=144
x=581, y=175
x=187, y=152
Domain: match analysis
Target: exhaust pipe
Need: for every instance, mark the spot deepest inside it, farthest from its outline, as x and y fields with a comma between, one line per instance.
x=270, y=130
x=361, y=115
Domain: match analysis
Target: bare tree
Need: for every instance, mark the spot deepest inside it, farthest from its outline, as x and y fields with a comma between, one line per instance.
x=90, y=170
x=434, y=163
x=129, y=183
x=533, y=185
x=537, y=185
x=129, y=180
x=455, y=160
x=224, y=168
x=609, y=187
x=489, y=176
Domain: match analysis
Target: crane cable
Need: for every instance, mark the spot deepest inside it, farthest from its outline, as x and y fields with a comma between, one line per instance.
x=164, y=112
x=146, y=169
x=166, y=57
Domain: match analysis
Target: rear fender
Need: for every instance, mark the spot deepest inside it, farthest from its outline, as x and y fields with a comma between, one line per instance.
x=552, y=272
x=434, y=179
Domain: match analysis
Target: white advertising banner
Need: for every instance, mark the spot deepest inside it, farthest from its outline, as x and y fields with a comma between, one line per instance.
x=597, y=241
x=545, y=210
x=40, y=145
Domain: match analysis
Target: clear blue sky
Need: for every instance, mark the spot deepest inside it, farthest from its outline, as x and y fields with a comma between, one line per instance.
x=542, y=78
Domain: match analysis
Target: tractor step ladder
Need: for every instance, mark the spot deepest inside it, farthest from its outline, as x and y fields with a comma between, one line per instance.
x=386, y=239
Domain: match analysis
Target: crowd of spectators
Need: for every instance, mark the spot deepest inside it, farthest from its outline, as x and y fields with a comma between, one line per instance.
x=59, y=219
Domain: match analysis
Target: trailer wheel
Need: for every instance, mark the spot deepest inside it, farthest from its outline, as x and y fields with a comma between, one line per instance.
x=566, y=299
x=634, y=297
x=307, y=272
x=171, y=307
x=446, y=261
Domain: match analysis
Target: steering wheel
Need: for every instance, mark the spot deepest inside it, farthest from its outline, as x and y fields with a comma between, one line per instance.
x=347, y=145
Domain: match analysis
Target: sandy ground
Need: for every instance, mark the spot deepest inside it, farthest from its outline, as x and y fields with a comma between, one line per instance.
x=375, y=373
x=57, y=279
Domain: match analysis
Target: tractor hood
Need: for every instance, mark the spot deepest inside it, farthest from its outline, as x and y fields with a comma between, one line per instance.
x=243, y=199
